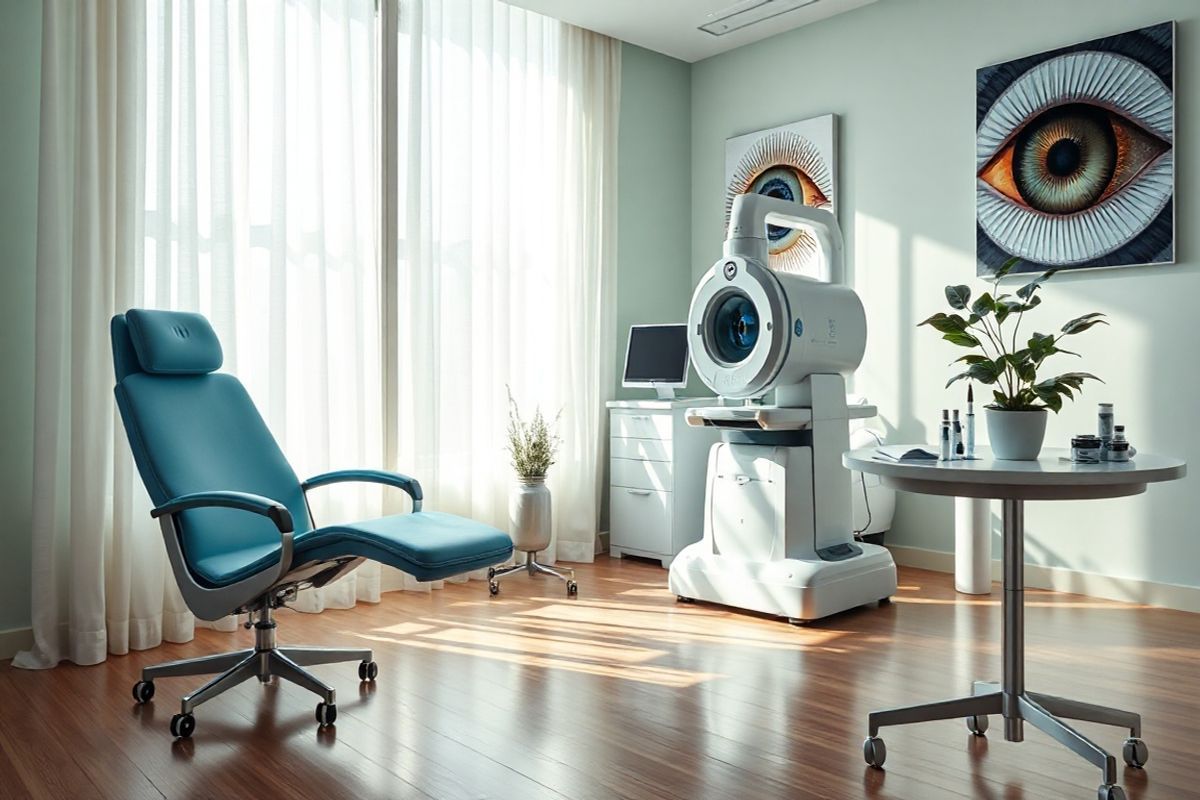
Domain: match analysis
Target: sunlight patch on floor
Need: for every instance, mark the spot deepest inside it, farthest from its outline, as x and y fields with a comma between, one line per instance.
x=640, y=673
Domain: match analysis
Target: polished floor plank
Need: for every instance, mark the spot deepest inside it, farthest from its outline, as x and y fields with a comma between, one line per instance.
x=621, y=693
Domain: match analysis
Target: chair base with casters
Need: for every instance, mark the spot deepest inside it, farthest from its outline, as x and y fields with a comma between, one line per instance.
x=236, y=522
x=264, y=661
x=533, y=567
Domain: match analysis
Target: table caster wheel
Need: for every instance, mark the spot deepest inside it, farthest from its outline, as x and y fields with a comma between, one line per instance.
x=326, y=714
x=1110, y=791
x=680, y=598
x=493, y=588
x=572, y=589
x=874, y=751
x=143, y=692
x=368, y=671
x=183, y=726
x=977, y=725
x=1135, y=752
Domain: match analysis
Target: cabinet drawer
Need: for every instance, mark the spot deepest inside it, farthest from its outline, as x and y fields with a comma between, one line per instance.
x=640, y=425
x=641, y=520
x=653, y=475
x=641, y=449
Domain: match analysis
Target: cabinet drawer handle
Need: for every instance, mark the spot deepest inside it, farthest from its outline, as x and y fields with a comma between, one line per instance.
x=639, y=492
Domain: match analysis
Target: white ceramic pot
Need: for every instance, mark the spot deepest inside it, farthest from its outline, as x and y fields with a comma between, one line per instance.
x=1016, y=435
x=529, y=515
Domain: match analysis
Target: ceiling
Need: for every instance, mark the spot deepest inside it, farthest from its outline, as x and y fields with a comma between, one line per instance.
x=671, y=26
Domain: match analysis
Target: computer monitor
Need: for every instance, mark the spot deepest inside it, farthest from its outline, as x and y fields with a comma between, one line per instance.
x=657, y=358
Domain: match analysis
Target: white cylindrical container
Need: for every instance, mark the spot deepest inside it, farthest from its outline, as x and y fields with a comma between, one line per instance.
x=972, y=545
x=529, y=515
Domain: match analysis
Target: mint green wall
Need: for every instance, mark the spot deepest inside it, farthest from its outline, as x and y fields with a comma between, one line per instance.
x=20, y=68
x=900, y=74
x=654, y=197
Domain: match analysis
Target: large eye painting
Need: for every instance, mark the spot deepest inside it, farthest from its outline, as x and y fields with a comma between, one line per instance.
x=1074, y=159
x=792, y=163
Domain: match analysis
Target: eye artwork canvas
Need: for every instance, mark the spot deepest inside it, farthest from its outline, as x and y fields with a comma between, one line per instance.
x=794, y=162
x=1074, y=155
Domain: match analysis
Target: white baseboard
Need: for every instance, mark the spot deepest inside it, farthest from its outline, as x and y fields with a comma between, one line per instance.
x=1061, y=579
x=14, y=641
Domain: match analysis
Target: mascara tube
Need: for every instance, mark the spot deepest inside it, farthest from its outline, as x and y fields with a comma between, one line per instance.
x=957, y=438
x=944, y=438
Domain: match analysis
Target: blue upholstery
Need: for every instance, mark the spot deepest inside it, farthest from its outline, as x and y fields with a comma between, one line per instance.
x=174, y=342
x=202, y=433
x=427, y=545
x=193, y=432
x=125, y=360
x=367, y=476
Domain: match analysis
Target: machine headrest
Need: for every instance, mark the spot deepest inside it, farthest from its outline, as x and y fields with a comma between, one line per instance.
x=173, y=342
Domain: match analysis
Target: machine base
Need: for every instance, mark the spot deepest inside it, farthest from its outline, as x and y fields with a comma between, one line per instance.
x=797, y=589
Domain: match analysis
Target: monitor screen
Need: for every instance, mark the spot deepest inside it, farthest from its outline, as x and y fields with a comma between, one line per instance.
x=657, y=354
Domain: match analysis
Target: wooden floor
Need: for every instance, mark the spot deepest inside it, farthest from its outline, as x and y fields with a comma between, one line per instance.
x=620, y=693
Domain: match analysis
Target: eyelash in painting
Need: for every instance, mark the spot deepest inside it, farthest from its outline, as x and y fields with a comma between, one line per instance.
x=785, y=165
x=1081, y=172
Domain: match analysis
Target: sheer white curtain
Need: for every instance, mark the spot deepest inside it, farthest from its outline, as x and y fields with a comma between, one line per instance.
x=508, y=129
x=220, y=157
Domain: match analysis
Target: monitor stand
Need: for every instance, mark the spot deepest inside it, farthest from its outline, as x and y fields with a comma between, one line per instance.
x=664, y=392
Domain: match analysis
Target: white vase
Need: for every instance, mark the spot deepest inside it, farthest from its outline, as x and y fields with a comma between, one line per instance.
x=529, y=515
x=1016, y=435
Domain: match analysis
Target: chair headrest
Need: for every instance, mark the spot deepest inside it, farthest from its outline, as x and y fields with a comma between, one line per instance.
x=173, y=342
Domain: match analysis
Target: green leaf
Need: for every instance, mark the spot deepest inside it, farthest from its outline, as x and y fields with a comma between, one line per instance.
x=1026, y=291
x=982, y=306
x=1006, y=267
x=1081, y=324
x=945, y=323
x=1076, y=379
x=970, y=358
x=983, y=371
x=961, y=338
x=986, y=372
x=958, y=296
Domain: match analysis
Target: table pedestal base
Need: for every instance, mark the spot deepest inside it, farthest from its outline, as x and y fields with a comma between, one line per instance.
x=1009, y=700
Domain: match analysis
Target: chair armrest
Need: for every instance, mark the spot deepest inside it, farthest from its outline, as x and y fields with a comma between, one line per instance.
x=243, y=501
x=409, y=485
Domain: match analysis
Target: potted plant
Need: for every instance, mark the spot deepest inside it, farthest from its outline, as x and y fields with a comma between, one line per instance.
x=1016, y=419
x=532, y=446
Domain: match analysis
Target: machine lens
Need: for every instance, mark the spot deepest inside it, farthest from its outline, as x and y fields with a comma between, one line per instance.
x=734, y=328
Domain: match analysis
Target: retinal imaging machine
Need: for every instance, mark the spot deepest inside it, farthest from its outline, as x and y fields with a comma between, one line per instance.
x=778, y=535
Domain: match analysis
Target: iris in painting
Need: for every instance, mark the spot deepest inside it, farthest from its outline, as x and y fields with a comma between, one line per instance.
x=1074, y=155
x=792, y=162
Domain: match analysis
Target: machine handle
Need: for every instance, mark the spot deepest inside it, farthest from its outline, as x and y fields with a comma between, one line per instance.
x=639, y=492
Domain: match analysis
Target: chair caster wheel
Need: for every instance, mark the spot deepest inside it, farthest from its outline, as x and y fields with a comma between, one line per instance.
x=572, y=589
x=680, y=598
x=977, y=725
x=1110, y=791
x=491, y=573
x=1135, y=752
x=493, y=588
x=326, y=714
x=143, y=692
x=874, y=751
x=368, y=671
x=183, y=726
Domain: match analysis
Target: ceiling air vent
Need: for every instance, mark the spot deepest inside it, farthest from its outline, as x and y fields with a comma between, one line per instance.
x=748, y=12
